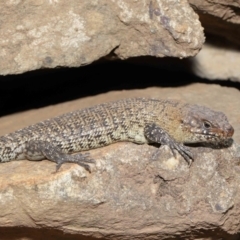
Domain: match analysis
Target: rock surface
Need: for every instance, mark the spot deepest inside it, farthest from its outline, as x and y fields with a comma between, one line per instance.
x=127, y=195
x=52, y=33
x=45, y=34
x=224, y=9
x=219, y=58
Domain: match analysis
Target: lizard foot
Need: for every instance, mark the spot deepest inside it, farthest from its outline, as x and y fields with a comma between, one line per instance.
x=80, y=159
x=37, y=150
x=183, y=151
x=156, y=134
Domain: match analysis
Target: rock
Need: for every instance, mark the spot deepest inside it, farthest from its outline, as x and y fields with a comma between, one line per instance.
x=46, y=34
x=219, y=57
x=224, y=9
x=128, y=195
x=217, y=63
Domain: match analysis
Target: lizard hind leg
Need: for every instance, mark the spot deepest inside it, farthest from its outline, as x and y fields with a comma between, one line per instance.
x=38, y=150
x=156, y=134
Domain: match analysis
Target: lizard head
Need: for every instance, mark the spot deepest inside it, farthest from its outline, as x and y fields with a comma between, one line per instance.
x=205, y=125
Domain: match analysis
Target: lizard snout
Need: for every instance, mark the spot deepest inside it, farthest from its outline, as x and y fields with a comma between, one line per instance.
x=229, y=131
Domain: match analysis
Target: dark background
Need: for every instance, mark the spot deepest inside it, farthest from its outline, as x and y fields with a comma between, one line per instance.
x=51, y=86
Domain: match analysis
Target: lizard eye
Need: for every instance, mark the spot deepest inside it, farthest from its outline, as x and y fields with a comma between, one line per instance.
x=207, y=124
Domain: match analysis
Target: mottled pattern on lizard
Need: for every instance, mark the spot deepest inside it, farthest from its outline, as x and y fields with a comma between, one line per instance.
x=138, y=120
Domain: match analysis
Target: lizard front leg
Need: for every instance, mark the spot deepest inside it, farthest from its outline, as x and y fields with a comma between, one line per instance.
x=37, y=150
x=156, y=134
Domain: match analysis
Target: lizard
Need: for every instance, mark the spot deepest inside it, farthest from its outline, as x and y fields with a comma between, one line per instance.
x=139, y=120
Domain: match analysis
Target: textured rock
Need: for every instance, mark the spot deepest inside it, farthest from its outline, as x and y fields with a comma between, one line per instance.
x=224, y=9
x=127, y=195
x=220, y=58
x=45, y=34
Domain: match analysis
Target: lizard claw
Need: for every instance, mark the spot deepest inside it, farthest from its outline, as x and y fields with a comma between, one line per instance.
x=183, y=151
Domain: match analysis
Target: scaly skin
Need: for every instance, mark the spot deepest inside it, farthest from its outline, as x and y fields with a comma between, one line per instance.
x=137, y=120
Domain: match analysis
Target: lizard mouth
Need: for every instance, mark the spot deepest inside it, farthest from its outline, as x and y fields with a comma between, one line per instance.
x=215, y=135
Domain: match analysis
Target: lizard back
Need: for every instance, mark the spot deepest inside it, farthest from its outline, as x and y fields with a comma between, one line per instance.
x=97, y=126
